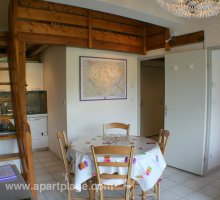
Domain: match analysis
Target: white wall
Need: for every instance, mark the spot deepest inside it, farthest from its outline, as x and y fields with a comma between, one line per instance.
x=34, y=76
x=214, y=147
x=55, y=84
x=85, y=118
x=210, y=26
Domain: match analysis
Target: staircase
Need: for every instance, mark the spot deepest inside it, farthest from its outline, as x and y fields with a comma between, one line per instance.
x=6, y=119
x=17, y=83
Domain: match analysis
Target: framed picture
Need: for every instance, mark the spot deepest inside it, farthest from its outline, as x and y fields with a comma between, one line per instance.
x=102, y=78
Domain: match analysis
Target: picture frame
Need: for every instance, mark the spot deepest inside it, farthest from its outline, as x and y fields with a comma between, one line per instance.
x=102, y=78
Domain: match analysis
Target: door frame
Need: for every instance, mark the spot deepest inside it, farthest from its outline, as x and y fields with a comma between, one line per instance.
x=209, y=108
x=150, y=57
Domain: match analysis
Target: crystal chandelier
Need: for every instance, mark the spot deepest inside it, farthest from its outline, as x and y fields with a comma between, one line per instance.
x=191, y=8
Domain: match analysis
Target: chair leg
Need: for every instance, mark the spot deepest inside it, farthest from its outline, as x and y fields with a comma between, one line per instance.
x=127, y=195
x=133, y=192
x=158, y=191
x=144, y=194
x=101, y=194
x=91, y=191
x=69, y=192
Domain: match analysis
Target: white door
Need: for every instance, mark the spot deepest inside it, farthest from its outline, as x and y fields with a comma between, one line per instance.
x=185, y=112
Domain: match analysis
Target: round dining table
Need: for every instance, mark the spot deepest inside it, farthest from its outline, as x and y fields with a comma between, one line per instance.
x=148, y=162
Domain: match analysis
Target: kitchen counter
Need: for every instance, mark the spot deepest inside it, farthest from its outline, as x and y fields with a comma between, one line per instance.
x=37, y=115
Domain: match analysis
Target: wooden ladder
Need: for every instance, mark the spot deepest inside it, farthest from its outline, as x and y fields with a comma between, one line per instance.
x=17, y=77
x=12, y=156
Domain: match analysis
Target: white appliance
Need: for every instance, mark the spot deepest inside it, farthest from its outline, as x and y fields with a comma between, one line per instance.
x=38, y=126
x=186, y=109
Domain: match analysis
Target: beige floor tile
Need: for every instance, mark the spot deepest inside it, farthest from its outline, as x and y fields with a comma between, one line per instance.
x=175, y=185
x=198, y=196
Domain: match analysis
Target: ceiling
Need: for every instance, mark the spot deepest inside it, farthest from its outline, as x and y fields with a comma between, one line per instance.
x=144, y=10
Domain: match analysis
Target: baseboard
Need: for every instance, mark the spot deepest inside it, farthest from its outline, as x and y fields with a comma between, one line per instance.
x=40, y=149
x=211, y=170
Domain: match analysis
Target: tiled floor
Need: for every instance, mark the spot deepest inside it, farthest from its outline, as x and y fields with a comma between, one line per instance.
x=175, y=185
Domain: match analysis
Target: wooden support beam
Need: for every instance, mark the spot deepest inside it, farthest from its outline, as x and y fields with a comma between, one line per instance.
x=51, y=29
x=17, y=71
x=48, y=16
x=52, y=40
x=117, y=27
x=190, y=38
x=54, y=7
x=117, y=38
x=166, y=37
x=117, y=47
x=30, y=160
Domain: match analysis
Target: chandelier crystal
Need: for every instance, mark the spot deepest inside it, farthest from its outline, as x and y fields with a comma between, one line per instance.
x=191, y=8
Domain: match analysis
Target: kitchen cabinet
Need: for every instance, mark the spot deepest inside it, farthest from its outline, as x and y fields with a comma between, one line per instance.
x=38, y=125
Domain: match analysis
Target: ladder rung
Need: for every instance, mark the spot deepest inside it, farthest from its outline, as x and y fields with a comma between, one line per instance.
x=5, y=83
x=8, y=157
x=6, y=117
x=8, y=136
x=4, y=68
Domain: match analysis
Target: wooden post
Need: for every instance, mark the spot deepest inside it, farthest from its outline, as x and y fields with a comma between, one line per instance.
x=166, y=37
x=17, y=71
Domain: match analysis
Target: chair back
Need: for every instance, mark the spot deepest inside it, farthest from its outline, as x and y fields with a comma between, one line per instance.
x=108, y=126
x=62, y=138
x=163, y=139
x=127, y=152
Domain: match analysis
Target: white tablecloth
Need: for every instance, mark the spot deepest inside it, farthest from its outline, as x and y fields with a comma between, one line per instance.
x=148, y=163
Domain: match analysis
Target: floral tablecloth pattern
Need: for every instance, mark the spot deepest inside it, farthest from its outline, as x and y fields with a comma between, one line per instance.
x=148, y=163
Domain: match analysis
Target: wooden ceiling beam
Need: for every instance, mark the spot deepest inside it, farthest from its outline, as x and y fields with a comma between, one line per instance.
x=190, y=38
x=98, y=44
x=70, y=23
x=48, y=29
x=33, y=38
x=49, y=16
x=80, y=27
x=43, y=5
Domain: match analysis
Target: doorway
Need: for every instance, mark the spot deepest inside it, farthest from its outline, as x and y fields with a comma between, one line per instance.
x=152, y=96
